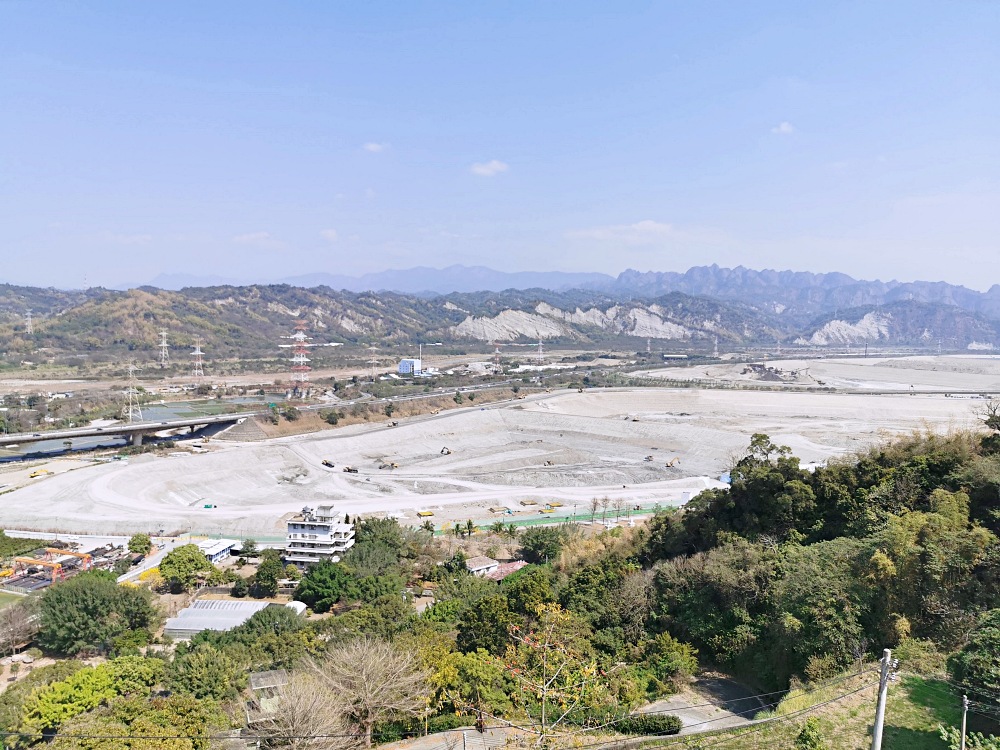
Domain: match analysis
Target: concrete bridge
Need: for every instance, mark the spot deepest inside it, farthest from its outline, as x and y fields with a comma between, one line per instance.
x=133, y=432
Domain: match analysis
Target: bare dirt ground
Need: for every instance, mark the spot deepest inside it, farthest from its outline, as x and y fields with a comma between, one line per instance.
x=939, y=373
x=566, y=447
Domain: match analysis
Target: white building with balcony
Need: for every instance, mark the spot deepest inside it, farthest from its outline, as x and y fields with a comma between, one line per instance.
x=314, y=535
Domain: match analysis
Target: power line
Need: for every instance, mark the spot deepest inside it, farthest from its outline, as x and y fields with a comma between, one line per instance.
x=764, y=723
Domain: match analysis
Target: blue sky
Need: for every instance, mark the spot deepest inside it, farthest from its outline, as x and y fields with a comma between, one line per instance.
x=260, y=140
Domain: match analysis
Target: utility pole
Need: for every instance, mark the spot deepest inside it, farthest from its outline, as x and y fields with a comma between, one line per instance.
x=29, y=329
x=965, y=710
x=883, y=691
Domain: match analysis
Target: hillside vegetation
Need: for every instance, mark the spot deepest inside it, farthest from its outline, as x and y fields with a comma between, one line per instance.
x=249, y=321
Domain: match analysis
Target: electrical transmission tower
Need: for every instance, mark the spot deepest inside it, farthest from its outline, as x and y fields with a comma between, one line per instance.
x=29, y=328
x=198, y=368
x=541, y=352
x=300, y=362
x=164, y=349
x=497, y=368
x=131, y=410
x=373, y=361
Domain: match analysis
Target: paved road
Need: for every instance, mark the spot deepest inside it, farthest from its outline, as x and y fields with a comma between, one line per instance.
x=123, y=430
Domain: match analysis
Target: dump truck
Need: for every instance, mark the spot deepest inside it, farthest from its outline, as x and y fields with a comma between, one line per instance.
x=327, y=464
x=350, y=470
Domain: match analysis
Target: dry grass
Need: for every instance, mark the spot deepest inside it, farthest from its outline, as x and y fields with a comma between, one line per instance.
x=914, y=709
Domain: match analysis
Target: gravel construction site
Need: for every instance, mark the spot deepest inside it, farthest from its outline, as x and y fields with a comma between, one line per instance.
x=639, y=447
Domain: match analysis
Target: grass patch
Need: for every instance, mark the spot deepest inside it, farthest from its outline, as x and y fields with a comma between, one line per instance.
x=7, y=599
x=914, y=709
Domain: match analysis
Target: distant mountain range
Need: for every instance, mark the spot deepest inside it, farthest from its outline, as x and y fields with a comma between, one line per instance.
x=797, y=293
x=736, y=306
x=420, y=280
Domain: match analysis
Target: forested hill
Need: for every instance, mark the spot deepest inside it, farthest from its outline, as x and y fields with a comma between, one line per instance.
x=786, y=578
x=250, y=320
x=790, y=572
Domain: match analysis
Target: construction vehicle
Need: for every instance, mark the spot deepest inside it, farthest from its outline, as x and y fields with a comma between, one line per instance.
x=84, y=556
x=26, y=563
x=389, y=465
x=327, y=464
x=350, y=470
x=38, y=473
x=424, y=513
x=548, y=463
x=648, y=458
x=435, y=411
x=675, y=460
x=446, y=451
x=394, y=424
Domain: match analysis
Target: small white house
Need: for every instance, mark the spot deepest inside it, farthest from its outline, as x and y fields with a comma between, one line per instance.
x=482, y=565
x=217, y=550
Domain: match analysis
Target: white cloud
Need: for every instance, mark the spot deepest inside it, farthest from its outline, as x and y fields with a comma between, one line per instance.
x=783, y=128
x=262, y=240
x=373, y=147
x=330, y=235
x=489, y=168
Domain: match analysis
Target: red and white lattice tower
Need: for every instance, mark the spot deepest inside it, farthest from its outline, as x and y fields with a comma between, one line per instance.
x=300, y=359
x=497, y=368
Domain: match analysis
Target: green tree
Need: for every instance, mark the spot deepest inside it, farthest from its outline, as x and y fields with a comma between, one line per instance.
x=240, y=587
x=140, y=544
x=265, y=580
x=977, y=666
x=557, y=679
x=527, y=589
x=207, y=672
x=249, y=548
x=973, y=740
x=177, y=722
x=486, y=625
x=49, y=707
x=326, y=583
x=541, y=544
x=89, y=611
x=810, y=738
x=371, y=558
x=182, y=566
x=385, y=531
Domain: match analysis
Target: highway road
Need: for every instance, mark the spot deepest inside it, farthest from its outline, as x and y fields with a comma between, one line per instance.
x=123, y=430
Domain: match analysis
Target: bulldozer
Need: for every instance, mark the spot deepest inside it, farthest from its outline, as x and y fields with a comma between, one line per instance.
x=350, y=470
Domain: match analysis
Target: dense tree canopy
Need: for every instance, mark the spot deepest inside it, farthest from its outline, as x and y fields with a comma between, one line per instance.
x=182, y=566
x=90, y=611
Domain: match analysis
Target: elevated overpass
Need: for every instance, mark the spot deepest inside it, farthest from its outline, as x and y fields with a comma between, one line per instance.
x=133, y=432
